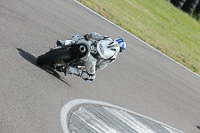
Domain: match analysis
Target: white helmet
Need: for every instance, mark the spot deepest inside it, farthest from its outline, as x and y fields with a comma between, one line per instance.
x=121, y=44
x=109, y=48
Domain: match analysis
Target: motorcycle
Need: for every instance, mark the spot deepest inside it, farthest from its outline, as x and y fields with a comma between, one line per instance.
x=60, y=57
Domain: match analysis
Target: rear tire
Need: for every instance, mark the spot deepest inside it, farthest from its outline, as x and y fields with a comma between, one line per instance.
x=178, y=4
x=190, y=6
x=53, y=57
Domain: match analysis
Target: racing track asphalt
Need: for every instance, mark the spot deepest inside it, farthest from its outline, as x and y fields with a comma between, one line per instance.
x=141, y=79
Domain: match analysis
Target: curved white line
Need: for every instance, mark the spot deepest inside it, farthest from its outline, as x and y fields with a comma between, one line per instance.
x=69, y=106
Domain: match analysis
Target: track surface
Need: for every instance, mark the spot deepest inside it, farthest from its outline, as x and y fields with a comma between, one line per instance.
x=141, y=80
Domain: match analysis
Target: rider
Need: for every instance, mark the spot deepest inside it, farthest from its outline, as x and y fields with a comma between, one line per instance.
x=103, y=51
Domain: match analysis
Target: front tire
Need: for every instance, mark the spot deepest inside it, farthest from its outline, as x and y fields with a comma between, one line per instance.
x=53, y=57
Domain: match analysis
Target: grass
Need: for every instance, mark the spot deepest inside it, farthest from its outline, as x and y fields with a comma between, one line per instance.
x=158, y=23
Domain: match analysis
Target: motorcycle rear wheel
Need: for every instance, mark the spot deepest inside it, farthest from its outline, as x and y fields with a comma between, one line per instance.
x=53, y=57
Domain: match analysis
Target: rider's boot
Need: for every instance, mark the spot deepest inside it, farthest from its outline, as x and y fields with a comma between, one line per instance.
x=60, y=43
x=64, y=43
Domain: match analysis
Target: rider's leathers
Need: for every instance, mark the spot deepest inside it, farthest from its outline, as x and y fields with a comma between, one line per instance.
x=98, y=57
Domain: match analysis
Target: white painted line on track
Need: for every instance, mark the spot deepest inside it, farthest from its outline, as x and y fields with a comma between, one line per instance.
x=137, y=38
x=99, y=122
x=134, y=123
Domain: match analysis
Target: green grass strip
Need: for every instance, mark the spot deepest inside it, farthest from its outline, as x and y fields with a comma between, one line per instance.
x=158, y=23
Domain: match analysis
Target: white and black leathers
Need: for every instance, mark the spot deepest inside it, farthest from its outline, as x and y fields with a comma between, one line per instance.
x=102, y=51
